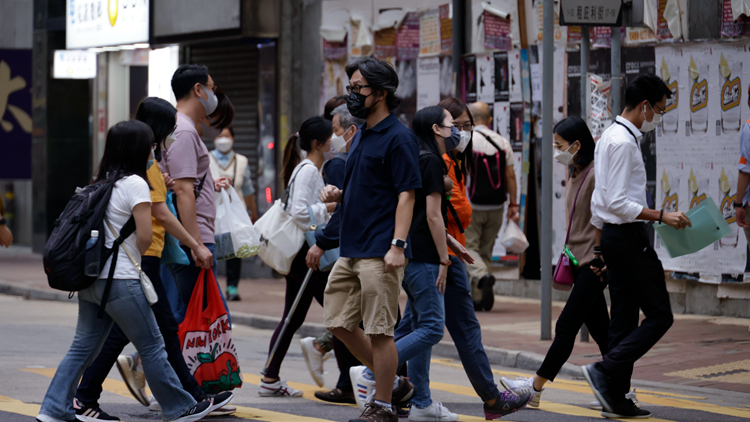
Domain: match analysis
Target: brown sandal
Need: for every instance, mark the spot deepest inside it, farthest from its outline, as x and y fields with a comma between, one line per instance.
x=336, y=396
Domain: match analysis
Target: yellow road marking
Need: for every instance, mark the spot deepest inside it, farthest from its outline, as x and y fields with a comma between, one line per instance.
x=10, y=405
x=645, y=396
x=119, y=388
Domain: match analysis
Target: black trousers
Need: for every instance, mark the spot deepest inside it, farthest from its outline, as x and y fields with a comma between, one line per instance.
x=234, y=269
x=90, y=388
x=636, y=281
x=586, y=304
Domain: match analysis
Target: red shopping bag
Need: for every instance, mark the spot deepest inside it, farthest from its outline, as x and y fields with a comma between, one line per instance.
x=206, y=339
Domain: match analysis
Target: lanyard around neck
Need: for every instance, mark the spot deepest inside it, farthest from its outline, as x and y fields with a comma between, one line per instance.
x=630, y=132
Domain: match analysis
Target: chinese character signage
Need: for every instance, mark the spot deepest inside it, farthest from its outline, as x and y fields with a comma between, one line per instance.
x=74, y=64
x=15, y=114
x=590, y=12
x=407, y=40
x=446, y=29
x=98, y=23
x=496, y=32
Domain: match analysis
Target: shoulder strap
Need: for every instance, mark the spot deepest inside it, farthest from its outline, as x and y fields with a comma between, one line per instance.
x=288, y=192
x=129, y=228
x=630, y=132
x=573, y=211
x=127, y=252
x=489, y=139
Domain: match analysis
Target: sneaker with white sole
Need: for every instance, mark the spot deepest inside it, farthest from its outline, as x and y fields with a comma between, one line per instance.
x=314, y=359
x=153, y=405
x=435, y=412
x=197, y=412
x=363, y=387
x=631, y=395
x=91, y=414
x=223, y=411
x=523, y=384
x=45, y=418
x=131, y=370
x=277, y=389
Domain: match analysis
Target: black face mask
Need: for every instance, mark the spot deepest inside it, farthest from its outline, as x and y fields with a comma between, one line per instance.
x=356, y=105
x=452, y=141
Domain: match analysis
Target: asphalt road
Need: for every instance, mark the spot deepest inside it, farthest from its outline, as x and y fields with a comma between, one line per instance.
x=35, y=335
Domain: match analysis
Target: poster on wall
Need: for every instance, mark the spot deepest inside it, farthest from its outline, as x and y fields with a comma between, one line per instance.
x=501, y=119
x=15, y=114
x=485, y=76
x=469, y=78
x=697, y=147
x=446, y=29
x=502, y=77
x=428, y=79
x=514, y=70
x=729, y=26
x=496, y=32
x=333, y=81
x=447, y=78
x=385, y=43
x=407, y=90
x=407, y=38
x=662, y=29
x=429, y=33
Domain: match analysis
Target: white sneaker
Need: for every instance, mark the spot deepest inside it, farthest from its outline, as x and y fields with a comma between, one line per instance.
x=434, y=412
x=131, y=370
x=277, y=389
x=314, y=359
x=631, y=395
x=363, y=388
x=153, y=405
x=523, y=384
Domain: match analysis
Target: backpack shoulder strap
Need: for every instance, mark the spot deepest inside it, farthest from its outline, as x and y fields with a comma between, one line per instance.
x=489, y=139
x=127, y=229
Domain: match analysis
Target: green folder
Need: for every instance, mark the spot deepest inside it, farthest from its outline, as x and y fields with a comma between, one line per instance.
x=708, y=226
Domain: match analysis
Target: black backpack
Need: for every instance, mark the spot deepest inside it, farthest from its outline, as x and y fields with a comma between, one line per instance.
x=488, y=182
x=65, y=253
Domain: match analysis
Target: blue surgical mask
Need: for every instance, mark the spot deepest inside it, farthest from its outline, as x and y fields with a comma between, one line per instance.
x=454, y=140
x=149, y=164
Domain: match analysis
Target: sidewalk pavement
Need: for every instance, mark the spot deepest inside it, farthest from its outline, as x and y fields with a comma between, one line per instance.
x=698, y=351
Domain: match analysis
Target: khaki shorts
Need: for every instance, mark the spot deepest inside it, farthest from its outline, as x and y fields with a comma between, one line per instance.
x=359, y=289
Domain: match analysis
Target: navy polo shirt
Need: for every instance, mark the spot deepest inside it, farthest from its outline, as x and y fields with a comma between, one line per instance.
x=383, y=162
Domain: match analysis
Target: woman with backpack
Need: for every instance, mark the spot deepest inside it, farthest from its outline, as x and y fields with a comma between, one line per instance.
x=574, y=148
x=305, y=153
x=127, y=155
x=160, y=116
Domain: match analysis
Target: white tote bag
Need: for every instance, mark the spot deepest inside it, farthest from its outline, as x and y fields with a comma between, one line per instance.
x=514, y=240
x=280, y=237
x=235, y=235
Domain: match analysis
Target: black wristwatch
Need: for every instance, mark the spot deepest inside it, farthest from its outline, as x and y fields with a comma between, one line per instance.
x=399, y=243
x=3, y=221
x=738, y=205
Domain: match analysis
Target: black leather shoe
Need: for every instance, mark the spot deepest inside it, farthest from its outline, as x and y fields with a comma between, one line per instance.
x=626, y=409
x=599, y=382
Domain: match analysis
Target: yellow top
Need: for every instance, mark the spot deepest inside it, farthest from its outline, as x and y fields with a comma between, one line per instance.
x=158, y=194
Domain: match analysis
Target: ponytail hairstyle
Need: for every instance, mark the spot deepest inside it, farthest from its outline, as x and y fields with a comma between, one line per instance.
x=463, y=160
x=314, y=131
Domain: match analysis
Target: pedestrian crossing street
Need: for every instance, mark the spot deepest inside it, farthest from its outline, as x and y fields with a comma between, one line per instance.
x=555, y=404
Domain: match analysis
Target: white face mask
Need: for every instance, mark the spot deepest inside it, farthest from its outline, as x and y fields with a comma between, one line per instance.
x=224, y=144
x=653, y=124
x=327, y=155
x=211, y=103
x=465, y=139
x=565, y=157
x=338, y=143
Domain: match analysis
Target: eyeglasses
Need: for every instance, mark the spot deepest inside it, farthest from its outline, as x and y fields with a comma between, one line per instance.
x=468, y=127
x=356, y=88
x=654, y=110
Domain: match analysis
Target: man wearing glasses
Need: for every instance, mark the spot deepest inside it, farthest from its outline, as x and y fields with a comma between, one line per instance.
x=636, y=278
x=487, y=195
x=381, y=174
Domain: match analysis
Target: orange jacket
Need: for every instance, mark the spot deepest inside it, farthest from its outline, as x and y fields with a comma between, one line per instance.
x=460, y=203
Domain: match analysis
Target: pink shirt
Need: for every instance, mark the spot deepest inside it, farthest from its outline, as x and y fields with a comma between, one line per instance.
x=187, y=157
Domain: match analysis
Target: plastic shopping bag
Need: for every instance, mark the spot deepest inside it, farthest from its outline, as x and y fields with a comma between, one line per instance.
x=514, y=240
x=281, y=238
x=172, y=253
x=235, y=235
x=206, y=339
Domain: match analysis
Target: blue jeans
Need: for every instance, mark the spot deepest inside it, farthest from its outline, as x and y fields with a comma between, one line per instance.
x=127, y=306
x=185, y=277
x=425, y=308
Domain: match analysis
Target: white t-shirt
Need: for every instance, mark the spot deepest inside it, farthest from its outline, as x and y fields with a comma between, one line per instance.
x=127, y=193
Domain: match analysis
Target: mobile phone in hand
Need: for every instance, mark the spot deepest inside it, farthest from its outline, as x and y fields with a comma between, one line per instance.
x=597, y=263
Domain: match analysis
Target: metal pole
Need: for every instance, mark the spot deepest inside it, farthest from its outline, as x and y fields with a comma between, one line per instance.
x=459, y=27
x=547, y=100
x=616, y=73
x=585, y=49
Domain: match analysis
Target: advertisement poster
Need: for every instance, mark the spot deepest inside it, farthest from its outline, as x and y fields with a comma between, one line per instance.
x=485, y=75
x=385, y=43
x=446, y=29
x=447, y=78
x=697, y=147
x=333, y=81
x=428, y=79
x=729, y=26
x=501, y=119
x=469, y=78
x=407, y=39
x=502, y=77
x=15, y=114
x=496, y=32
x=429, y=33
x=407, y=90
x=516, y=126
x=334, y=50
x=514, y=70
x=662, y=29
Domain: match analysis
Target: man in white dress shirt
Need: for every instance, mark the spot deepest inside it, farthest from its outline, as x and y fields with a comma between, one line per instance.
x=636, y=277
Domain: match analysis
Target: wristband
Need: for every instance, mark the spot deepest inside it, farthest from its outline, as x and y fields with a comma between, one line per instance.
x=513, y=206
x=738, y=205
x=661, y=214
x=597, y=250
x=446, y=264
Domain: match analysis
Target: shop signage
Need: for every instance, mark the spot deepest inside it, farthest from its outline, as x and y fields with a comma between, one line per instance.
x=590, y=12
x=74, y=64
x=101, y=23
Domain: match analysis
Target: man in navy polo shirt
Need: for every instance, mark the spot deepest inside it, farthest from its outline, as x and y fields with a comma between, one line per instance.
x=382, y=172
